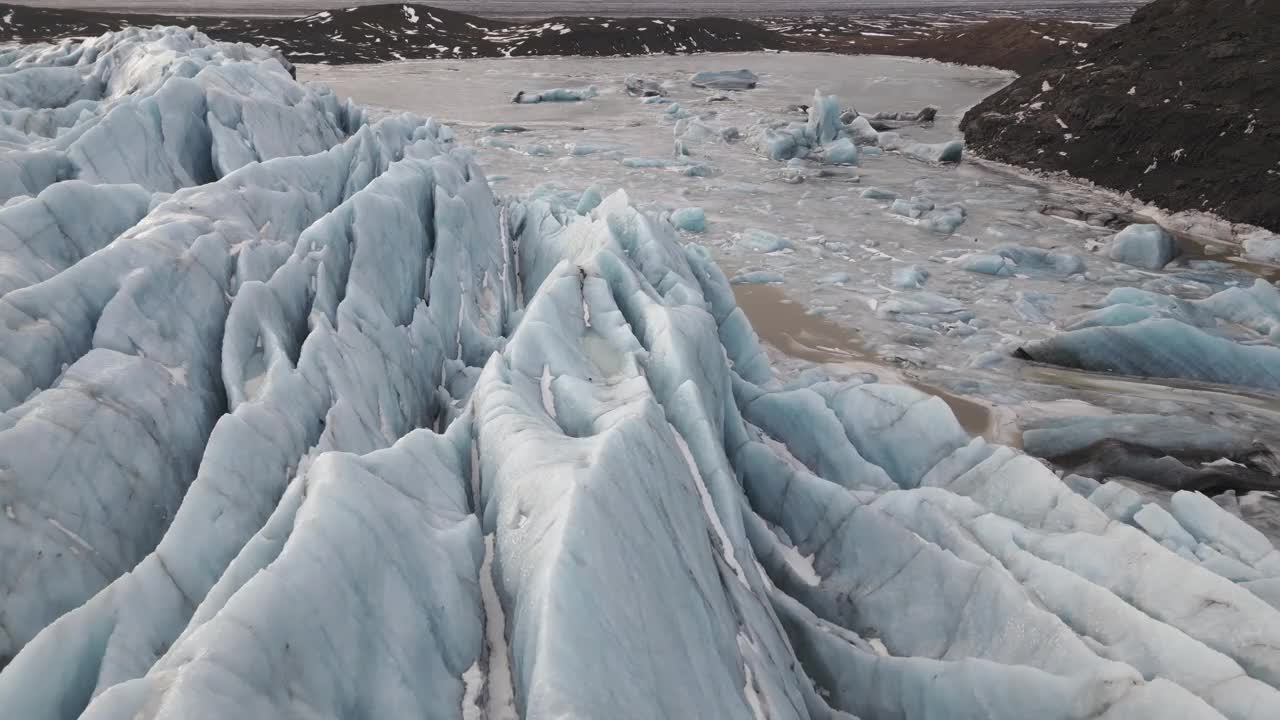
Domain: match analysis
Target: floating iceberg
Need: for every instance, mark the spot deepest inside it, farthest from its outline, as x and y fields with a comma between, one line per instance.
x=336, y=432
x=946, y=219
x=690, y=219
x=909, y=277
x=1230, y=337
x=758, y=277
x=862, y=133
x=913, y=208
x=948, y=152
x=1144, y=246
x=642, y=87
x=555, y=95
x=1012, y=259
x=725, y=79
x=762, y=241
x=1161, y=348
x=840, y=152
x=824, y=124
x=875, y=193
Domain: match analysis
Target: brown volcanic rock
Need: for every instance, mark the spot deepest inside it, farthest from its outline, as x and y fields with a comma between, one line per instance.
x=1179, y=107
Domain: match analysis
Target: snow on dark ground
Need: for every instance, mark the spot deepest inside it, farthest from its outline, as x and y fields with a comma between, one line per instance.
x=1014, y=39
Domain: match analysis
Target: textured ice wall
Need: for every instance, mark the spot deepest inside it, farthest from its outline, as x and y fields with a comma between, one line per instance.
x=340, y=434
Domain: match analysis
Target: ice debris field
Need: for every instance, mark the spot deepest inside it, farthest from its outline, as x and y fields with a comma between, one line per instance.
x=300, y=419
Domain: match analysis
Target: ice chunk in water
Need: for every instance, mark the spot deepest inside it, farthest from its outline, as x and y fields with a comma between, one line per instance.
x=946, y=219
x=987, y=264
x=911, y=276
x=782, y=144
x=1015, y=259
x=592, y=148
x=840, y=152
x=824, y=118
x=862, y=133
x=1161, y=347
x=875, y=193
x=555, y=95
x=913, y=208
x=1144, y=246
x=761, y=241
x=1256, y=307
x=690, y=219
x=948, y=152
x=725, y=79
x=758, y=277
x=642, y=86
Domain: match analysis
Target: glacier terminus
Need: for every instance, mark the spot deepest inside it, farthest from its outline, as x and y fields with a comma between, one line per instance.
x=301, y=416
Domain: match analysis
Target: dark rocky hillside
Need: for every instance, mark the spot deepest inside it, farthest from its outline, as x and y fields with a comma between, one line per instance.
x=1178, y=107
x=378, y=33
x=409, y=31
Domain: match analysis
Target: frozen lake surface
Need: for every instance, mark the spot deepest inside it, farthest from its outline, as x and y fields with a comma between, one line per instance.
x=838, y=304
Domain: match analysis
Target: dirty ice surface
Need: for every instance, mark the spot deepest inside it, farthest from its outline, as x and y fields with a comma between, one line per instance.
x=847, y=265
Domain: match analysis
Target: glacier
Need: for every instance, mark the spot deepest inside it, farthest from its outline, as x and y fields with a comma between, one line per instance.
x=300, y=419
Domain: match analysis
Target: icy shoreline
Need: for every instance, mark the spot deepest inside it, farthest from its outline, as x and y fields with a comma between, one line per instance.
x=268, y=420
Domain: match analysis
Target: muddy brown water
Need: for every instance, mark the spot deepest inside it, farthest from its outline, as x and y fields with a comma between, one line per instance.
x=786, y=326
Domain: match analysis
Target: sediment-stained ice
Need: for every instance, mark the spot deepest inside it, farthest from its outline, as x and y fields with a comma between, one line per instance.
x=332, y=431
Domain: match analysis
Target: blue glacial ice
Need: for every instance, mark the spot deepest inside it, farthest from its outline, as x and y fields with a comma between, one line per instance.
x=1231, y=337
x=948, y=152
x=1162, y=348
x=875, y=193
x=690, y=219
x=946, y=219
x=824, y=124
x=840, y=152
x=758, y=277
x=555, y=95
x=909, y=276
x=1146, y=246
x=725, y=79
x=913, y=208
x=823, y=135
x=762, y=241
x=1010, y=259
x=330, y=430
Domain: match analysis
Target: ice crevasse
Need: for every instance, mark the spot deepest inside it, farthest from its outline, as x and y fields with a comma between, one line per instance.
x=311, y=424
